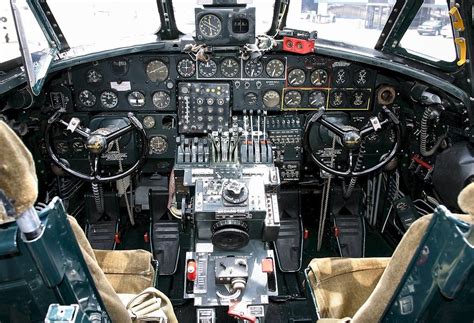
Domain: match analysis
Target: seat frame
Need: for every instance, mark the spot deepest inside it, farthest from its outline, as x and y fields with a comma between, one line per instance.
x=438, y=281
x=47, y=270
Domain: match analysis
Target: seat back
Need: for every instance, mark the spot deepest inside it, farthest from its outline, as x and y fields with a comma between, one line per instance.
x=429, y=276
x=438, y=284
x=48, y=270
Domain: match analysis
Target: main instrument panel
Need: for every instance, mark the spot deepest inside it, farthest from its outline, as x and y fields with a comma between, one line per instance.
x=174, y=95
x=272, y=82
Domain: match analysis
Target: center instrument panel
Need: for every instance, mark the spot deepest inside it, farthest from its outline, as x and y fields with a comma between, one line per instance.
x=174, y=95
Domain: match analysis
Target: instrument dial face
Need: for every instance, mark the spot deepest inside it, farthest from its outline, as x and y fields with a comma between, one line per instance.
x=230, y=67
x=317, y=99
x=341, y=76
x=292, y=99
x=93, y=76
x=158, y=145
x=61, y=147
x=161, y=100
x=78, y=146
x=275, y=68
x=210, y=26
x=359, y=99
x=250, y=98
x=253, y=68
x=337, y=99
x=109, y=99
x=186, y=67
x=148, y=122
x=361, y=78
x=87, y=98
x=319, y=77
x=157, y=71
x=296, y=77
x=208, y=69
x=271, y=99
x=120, y=66
x=136, y=99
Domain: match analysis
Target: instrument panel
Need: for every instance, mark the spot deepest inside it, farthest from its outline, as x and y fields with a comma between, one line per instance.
x=173, y=95
x=273, y=82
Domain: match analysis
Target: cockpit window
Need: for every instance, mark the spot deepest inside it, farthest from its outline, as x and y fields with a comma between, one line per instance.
x=184, y=14
x=359, y=23
x=430, y=34
x=9, y=47
x=105, y=22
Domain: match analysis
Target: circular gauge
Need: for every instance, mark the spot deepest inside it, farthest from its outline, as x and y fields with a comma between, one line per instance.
x=158, y=145
x=210, y=26
x=292, y=99
x=148, y=122
x=161, y=100
x=78, y=146
x=359, y=99
x=93, y=76
x=296, y=77
x=361, y=78
x=275, y=68
x=317, y=99
x=87, y=98
x=61, y=147
x=253, y=68
x=186, y=67
x=208, y=69
x=230, y=67
x=250, y=98
x=157, y=71
x=341, y=76
x=319, y=77
x=337, y=99
x=120, y=66
x=136, y=99
x=271, y=99
x=109, y=99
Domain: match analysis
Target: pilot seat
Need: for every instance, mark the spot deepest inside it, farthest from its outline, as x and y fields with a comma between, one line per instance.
x=48, y=269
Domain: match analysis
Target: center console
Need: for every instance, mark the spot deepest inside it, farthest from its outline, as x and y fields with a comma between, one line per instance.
x=227, y=181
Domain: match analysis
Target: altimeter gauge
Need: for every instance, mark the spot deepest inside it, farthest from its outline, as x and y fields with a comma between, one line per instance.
x=208, y=69
x=161, y=100
x=109, y=99
x=87, y=98
x=210, y=26
x=230, y=67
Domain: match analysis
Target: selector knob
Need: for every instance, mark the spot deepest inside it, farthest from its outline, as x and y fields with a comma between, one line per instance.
x=235, y=192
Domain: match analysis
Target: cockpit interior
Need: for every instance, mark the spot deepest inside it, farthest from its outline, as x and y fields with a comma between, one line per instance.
x=228, y=175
